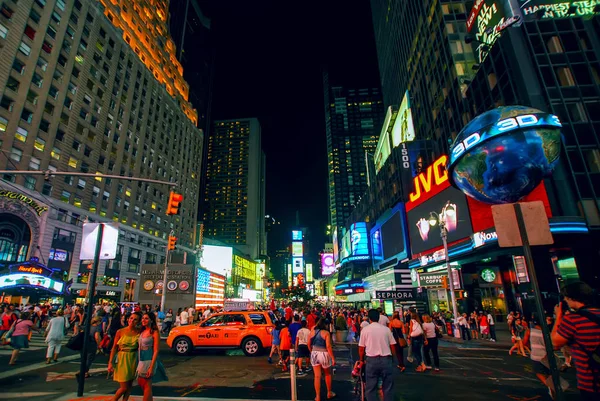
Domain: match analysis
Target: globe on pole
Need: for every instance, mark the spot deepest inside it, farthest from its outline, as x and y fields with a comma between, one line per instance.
x=503, y=154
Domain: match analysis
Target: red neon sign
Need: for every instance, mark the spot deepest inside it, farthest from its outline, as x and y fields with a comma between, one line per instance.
x=429, y=183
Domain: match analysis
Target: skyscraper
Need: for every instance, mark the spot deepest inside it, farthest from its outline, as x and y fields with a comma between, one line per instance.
x=353, y=118
x=90, y=87
x=421, y=49
x=234, y=204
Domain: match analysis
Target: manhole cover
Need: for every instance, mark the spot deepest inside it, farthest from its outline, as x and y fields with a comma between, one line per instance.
x=231, y=374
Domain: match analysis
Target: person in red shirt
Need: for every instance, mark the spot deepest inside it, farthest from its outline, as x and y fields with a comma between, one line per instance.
x=284, y=346
x=289, y=314
x=311, y=320
x=578, y=324
x=272, y=305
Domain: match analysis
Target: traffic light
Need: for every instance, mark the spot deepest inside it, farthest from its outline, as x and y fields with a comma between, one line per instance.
x=174, y=200
x=445, y=282
x=172, y=242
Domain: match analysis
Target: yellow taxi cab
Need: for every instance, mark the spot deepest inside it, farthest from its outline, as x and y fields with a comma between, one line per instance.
x=248, y=330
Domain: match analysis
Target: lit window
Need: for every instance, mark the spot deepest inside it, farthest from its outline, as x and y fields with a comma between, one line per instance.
x=55, y=153
x=21, y=134
x=39, y=144
x=65, y=196
x=73, y=162
x=77, y=201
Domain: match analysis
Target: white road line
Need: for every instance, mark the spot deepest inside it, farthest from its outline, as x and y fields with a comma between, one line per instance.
x=95, y=397
x=35, y=366
x=471, y=358
x=6, y=396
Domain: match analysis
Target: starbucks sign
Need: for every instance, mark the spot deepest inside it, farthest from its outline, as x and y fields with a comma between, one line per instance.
x=488, y=275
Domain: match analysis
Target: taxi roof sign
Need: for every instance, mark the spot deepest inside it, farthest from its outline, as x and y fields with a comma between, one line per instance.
x=238, y=305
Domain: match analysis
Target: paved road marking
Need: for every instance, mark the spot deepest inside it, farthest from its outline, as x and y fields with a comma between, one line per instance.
x=35, y=366
x=54, y=376
x=107, y=397
x=480, y=349
x=6, y=396
x=472, y=358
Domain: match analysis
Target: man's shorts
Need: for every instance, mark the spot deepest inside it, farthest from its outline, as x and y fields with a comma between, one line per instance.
x=285, y=354
x=303, y=351
x=321, y=358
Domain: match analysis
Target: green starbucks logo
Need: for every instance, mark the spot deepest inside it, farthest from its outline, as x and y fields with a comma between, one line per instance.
x=488, y=275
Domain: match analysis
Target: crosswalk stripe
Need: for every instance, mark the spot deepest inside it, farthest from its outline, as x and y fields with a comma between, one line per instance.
x=36, y=343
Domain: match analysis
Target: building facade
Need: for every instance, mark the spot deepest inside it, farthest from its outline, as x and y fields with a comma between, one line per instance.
x=234, y=204
x=79, y=97
x=457, y=63
x=353, y=118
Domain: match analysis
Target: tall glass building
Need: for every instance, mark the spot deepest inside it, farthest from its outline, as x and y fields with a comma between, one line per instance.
x=353, y=119
x=234, y=199
x=90, y=87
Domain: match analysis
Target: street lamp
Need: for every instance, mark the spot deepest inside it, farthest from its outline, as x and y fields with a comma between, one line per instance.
x=435, y=218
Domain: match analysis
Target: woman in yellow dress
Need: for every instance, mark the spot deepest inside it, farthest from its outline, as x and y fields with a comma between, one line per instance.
x=126, y=347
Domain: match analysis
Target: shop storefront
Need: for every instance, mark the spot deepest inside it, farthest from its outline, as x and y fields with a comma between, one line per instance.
x=32, y=282
x=485, y=276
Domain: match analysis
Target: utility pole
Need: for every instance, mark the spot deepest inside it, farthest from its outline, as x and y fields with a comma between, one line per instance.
x=166, y=267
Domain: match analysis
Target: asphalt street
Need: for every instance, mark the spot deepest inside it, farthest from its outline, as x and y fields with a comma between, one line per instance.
x=476, y=370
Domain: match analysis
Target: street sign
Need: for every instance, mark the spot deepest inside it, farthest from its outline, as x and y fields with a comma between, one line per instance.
x=395, y=294
x=536, y=224
x=110, y=237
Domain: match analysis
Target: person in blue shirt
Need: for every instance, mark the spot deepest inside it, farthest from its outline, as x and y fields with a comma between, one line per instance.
x=275, y=342
x=294, y=328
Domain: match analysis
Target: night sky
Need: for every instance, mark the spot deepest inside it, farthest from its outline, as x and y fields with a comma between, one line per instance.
x=269, y=64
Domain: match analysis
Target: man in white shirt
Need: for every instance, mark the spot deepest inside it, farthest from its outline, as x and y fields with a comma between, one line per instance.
x=183, y=317
x=383, y=319
x=463, y=323
x=492, y=324
x=375, y=344
x=206, y=313
x=191, y=312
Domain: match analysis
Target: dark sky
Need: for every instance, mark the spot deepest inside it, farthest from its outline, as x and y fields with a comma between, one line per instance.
x=269, y=63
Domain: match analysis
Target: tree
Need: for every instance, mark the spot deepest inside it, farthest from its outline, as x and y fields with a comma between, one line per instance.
x=298, y=296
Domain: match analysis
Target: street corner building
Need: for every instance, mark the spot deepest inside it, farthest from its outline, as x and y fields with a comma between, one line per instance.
x=91, y=87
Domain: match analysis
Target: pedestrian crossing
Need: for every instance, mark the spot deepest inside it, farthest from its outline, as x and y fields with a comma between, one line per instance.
x=36, y=343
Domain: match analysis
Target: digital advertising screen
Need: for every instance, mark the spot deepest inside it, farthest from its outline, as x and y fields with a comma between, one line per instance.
x=536, y=9
x=297, y=265
x=31, y=280
x=336, y=247
x=296, y=235
x=327, y=264
x=403, y=129
x=451, y=206
x=384, y=148
x=359, y=239
x=217, y=259
x=392, y=235
x=297, y=249
x=309, y=273
x=376, y=244
x=346, y=248
x=485, y=25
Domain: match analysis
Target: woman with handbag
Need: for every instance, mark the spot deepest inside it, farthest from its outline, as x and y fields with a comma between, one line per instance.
x=432, y=333
x=19, y=338
x=417, y=339
x=55, y=334
x=397, y=328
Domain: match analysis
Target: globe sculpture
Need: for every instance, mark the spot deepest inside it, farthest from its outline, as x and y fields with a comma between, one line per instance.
x=503, y=154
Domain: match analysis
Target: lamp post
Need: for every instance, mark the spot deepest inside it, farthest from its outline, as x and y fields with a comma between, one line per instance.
x=435, y=218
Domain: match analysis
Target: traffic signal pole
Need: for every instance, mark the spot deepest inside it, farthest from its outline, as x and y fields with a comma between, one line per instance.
x=166, y=268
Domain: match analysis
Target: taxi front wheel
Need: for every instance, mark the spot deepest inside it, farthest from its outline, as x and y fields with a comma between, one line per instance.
x=251, y=346
x=182, y=346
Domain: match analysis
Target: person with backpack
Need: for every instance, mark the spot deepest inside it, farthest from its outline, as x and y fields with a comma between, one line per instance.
x=580, y=328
